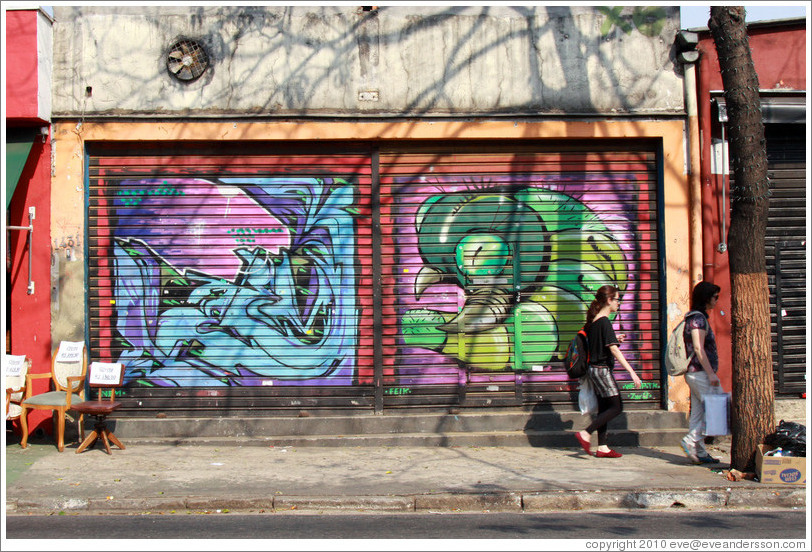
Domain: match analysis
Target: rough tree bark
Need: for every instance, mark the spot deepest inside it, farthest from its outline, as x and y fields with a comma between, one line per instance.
x=753, y=412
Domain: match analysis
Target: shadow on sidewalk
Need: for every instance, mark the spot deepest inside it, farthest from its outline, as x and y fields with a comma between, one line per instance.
x=17, y=460
x=678, y=459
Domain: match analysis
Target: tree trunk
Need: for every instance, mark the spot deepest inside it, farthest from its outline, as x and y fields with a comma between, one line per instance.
x=753, y=412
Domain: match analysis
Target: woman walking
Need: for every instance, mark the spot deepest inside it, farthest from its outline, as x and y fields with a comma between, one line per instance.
x=701, y=375
x=604, y=350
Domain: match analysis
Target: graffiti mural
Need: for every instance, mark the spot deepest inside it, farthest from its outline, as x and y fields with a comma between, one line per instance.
x=497, y=272
x=225, y=282
x=235, y=281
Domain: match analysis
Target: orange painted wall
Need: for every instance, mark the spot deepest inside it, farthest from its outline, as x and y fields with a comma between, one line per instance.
x=70, y=140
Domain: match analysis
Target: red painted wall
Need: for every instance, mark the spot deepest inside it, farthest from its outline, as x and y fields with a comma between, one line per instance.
x=21, y=65
x=30, y=315
x=779, y=58
x=779, y=55
x=30, y=327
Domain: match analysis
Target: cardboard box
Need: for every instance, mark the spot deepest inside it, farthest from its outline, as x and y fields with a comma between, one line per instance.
x=784, y=470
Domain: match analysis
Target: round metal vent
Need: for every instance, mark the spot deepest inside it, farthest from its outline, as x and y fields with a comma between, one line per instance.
x=187, y=60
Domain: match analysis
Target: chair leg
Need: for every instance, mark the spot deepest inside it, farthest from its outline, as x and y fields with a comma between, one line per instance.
x=91, y=439
x=105, y=440
x=24, y=426
x=60, y=437
x=81, y=427
x=114, y=439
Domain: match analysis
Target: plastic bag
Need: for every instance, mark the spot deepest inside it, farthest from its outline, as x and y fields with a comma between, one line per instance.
x=587, y=399
x=790, y=437
x=716, y=413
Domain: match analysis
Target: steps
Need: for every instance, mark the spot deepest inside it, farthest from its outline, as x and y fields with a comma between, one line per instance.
x=551, y=428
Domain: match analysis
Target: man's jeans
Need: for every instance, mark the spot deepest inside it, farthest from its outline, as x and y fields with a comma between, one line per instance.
x=700, y=386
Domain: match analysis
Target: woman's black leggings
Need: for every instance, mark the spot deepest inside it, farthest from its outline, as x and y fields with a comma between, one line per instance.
x=608, y=409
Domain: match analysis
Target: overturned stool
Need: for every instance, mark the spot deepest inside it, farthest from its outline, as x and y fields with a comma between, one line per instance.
x=103, y=376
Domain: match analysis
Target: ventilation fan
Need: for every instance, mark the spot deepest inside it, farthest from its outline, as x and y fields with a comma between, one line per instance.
x=187, y=60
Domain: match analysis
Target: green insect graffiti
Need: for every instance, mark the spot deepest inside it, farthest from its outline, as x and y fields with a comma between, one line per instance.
x=528, y=262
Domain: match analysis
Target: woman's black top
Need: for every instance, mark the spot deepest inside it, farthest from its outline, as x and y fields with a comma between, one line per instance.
x=600, y=335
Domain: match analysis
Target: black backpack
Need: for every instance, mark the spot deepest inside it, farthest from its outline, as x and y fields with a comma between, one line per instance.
x=577, y=359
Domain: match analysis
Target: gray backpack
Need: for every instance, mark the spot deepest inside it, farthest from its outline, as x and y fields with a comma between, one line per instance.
x=676, y=357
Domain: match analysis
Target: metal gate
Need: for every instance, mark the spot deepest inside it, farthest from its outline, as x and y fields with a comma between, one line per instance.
x=229, y=279
x=234, y=279
x=491, y=256
x=786, y=254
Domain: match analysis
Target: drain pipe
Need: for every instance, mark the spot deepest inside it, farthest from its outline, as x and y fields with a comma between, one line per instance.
x=688, y=56
x=712, y=211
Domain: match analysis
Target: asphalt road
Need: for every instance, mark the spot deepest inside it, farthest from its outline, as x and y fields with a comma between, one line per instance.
x=637, y=526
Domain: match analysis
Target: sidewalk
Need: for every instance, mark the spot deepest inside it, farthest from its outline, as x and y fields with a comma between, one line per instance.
x=179, y=479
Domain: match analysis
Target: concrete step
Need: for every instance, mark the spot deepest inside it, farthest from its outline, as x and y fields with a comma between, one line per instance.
x=403, y=428
x=391, y=424
x=542, y=439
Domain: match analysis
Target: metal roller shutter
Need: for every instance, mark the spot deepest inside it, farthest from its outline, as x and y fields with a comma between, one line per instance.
x=232, y=280
x=491, y=255
x=786, y=254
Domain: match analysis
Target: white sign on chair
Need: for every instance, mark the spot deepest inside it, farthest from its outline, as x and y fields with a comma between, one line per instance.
x=13, y=365
x=70, y=351
x=105, y=373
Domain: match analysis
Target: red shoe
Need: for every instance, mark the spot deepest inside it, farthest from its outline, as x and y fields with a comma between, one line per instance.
x=610, y=454
x=584, y=443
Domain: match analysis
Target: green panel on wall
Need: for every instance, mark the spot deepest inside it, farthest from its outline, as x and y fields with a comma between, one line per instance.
x=18, y=146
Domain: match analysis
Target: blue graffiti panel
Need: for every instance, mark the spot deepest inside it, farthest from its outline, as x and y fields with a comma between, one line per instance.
x=236, y=281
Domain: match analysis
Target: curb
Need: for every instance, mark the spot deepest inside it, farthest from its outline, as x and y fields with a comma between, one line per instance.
x=770, y=497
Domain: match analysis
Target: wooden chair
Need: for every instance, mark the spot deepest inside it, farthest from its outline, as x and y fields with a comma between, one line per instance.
x=15, y=368
x=102, y=376
x=68, y=369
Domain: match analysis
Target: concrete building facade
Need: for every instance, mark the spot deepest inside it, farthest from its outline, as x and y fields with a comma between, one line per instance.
x=27, y=193
x=366, y=209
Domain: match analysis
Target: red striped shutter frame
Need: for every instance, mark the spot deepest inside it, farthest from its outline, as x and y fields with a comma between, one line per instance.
x=489, y=256
x=493, y=252
x=230, y=278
